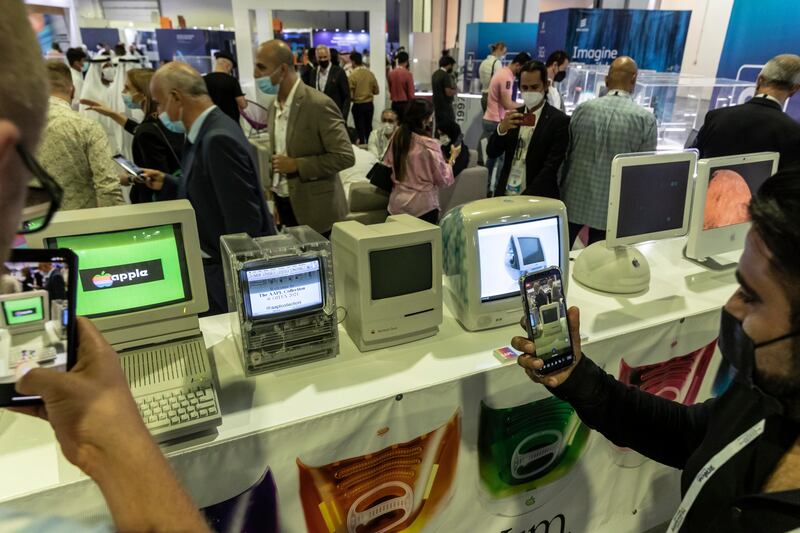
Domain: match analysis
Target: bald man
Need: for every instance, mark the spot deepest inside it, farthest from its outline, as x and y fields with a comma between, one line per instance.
x=219, y=173
x=308, y=145
x=331, y=79
x=95, y=420
x=599, y=130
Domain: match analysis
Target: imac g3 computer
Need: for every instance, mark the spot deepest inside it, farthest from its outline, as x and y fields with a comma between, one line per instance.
x=720, y=217
x=388, y=280
x=489, y=244
x=649, y=199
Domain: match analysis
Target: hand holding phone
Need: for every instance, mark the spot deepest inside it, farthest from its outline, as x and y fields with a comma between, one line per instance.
x=553, y=342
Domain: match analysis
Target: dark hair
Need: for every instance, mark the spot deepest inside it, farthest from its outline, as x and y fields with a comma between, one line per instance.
x=558, y=57
x=446, y=61
x=774, y=211
x=356, y=58
x=119, y=49
x=416, y=113
x=402, y=57
x=535, y=66
x=75, y=54
x=521, y=58
x=334, y=56
x=495, y=46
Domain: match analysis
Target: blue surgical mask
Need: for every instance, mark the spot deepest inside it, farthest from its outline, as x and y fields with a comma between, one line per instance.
x=85, y=68
x=265, y=84
x=129, y=103
x=175, y=126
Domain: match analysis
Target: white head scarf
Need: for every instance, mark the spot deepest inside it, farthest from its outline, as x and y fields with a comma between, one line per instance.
x=111, y=97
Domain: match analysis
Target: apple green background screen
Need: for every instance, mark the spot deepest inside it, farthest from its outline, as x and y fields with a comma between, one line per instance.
x=34, y=303
x=102, y=255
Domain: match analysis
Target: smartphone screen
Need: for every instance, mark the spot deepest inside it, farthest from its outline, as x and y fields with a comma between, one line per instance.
x=546, y=311
x=528, y=119
x=127, y=165
x=37, y=317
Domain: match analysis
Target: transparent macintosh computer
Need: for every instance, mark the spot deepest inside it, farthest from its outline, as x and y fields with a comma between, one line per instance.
x=141, y=282
x=649, y=199
x=720, y=217
x=489, y=244
x=388, y=280
x=281, y=287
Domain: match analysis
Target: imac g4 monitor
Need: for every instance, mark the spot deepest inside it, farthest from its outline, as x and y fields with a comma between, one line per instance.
x=723, y=189
x=649, y=199
x=389, y=280
x=489, y=244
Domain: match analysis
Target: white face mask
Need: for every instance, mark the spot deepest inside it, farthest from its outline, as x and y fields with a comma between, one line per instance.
x=532, y=99
x=108, y=74
x=388, y=128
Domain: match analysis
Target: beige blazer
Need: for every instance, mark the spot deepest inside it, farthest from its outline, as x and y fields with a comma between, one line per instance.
x=317, y=138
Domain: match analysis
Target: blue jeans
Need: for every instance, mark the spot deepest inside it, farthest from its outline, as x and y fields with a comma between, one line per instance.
x=490, y=127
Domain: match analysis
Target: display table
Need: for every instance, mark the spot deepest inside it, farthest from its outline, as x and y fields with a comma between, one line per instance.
x=304, y=417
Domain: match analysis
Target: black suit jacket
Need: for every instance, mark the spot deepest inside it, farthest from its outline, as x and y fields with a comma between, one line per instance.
x=545, y=153
x=55, y=286
x=154, y=146
x=337, y=87
x=759, y=125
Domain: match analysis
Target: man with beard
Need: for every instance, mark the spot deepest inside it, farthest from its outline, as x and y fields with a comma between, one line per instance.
x=740, y=452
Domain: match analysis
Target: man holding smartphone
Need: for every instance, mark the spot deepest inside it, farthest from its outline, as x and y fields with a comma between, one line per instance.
x=533, y=139
x=91, y=409
x=739, y=452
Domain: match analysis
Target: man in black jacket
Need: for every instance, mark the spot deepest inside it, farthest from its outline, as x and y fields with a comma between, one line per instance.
x=760, y=125
x=331, y=79
x=534, y=140
x=752, y=431
x=219, y=173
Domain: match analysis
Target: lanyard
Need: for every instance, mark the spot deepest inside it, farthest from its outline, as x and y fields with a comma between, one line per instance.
x=722, y=457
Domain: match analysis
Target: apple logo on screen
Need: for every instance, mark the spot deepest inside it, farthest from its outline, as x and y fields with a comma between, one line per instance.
x=726, y=200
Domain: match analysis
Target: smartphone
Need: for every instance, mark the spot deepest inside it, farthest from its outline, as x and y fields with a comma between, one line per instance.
x=528, y=119
x=545, y=306
x=37, y=317
x=131, y=168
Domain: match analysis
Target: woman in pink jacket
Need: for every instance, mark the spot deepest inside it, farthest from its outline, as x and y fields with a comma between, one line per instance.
x=419, y=169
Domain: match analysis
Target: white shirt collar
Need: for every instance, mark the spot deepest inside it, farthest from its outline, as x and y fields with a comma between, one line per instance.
x=194, y=131
x=769, y=97
x=618, y=92
x=289, y=99
x=537, y=113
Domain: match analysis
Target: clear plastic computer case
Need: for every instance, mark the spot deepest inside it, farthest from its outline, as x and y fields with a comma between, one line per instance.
x=270, y=343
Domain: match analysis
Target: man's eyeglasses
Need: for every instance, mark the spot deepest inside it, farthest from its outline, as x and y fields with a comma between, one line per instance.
x=43, y=198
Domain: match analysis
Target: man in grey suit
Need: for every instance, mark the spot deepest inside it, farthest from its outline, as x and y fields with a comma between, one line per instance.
x=308, y=143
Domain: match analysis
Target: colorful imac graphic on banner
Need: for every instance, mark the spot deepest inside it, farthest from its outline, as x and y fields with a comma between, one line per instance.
x=283, y=289
x=506, y=252
x=129, y=270
x=24, y=311
x=402, y=487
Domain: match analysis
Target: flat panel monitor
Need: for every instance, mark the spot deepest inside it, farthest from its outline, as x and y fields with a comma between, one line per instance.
x=724, y=187
x=283, y=288
x=141, y=276
x=650, y=197
x=389, y=280
x=489, y=244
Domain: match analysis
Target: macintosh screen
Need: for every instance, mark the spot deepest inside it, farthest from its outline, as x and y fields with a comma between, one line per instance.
x=500, y=268
x=652, y=198
x=283, y=289
x=23, y=311
x=401, y=271
x=128, y=270
x=549, y=315
x=730, y=189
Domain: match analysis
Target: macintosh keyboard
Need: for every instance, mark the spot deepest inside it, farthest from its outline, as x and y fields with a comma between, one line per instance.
x=173, y=388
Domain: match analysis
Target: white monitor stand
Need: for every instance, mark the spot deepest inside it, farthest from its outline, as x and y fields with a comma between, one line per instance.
x=618, y=270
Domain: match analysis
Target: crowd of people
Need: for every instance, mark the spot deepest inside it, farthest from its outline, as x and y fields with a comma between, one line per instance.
x=190, y=147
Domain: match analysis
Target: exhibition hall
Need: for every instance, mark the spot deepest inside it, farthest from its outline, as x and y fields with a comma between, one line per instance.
x=383, y=266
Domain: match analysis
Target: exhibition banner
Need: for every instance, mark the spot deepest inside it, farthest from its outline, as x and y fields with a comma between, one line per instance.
x=517, y=36
x=492, y=452
x=654, y=38
x=746, y=49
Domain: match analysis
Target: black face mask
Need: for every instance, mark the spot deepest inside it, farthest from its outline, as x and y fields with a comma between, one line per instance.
x=324, y=64
x=738, y=348
x=560, y=75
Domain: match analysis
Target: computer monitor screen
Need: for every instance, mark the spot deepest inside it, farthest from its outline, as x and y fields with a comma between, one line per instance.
x=400, y=271
x=128, y=270
x=652, y=198
x=283, y=288
x=23, y=311
x=507, y=251
x=730, y=189
x=549, y=315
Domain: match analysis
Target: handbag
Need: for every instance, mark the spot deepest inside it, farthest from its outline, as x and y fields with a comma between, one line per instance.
x=381, y=176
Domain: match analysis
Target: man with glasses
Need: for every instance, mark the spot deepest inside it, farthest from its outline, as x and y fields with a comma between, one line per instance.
x=90, y=407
